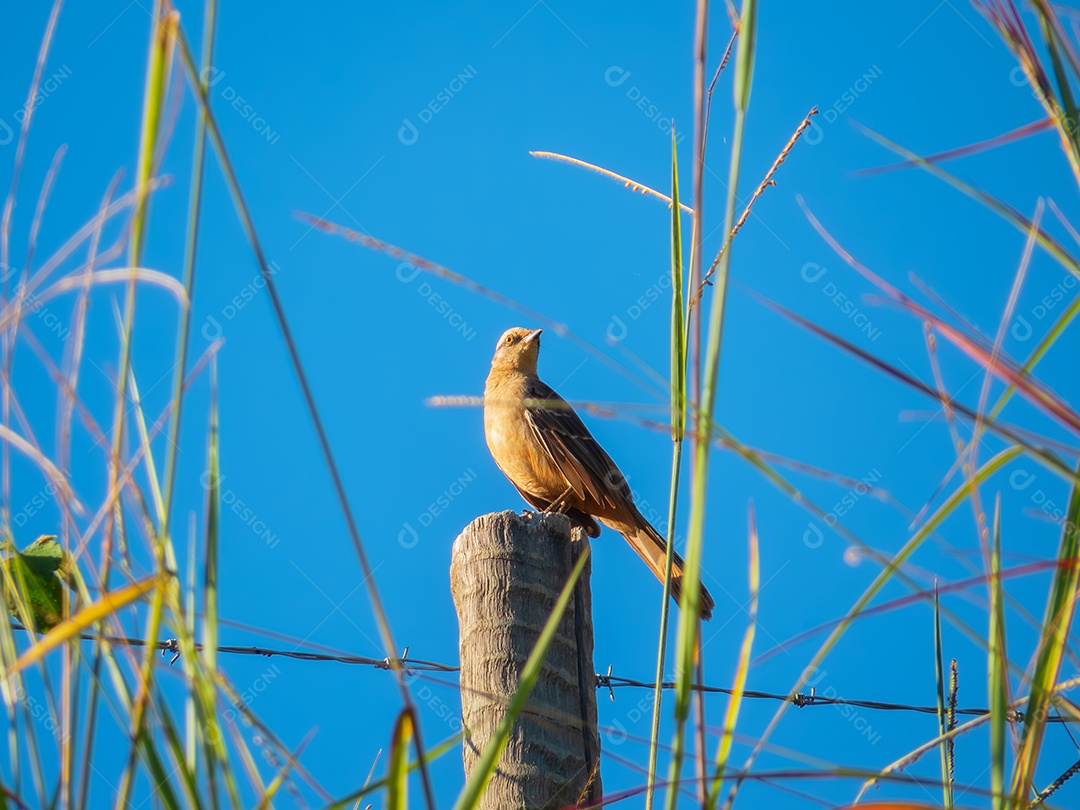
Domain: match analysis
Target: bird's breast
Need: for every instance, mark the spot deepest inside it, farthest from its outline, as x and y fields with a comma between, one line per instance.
x=512, y=442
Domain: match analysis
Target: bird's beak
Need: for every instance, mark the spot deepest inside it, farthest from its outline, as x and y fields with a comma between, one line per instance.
x=533, y=335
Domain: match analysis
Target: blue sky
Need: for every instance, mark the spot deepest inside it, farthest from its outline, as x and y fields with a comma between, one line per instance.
x=413, y=123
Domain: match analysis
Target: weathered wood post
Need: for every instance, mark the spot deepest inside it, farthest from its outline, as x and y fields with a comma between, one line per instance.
x=506, y=574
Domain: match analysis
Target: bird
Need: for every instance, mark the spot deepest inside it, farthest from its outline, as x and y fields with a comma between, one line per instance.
x=552, y=459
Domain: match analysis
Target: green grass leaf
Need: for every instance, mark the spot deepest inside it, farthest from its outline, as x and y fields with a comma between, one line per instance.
x=997, y=669
x=689, y=641
x=1051, y=650
x=398, y=791
x=744, y=54
x=742, y=671
x=943, y=719
x=678, y=327
x=678, y=429
x=34, y=580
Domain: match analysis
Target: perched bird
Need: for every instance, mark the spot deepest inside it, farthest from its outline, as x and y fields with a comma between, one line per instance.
x=546, y=451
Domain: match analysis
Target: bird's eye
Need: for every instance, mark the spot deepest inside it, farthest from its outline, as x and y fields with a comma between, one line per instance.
x=509, y=340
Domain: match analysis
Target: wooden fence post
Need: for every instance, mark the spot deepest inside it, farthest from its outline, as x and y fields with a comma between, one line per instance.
x=506, y=574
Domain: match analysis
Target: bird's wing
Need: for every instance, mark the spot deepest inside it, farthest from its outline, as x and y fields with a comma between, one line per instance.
x=580, y=458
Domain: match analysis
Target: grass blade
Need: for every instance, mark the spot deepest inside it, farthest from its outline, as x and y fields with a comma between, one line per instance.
x=216, y=751
x=159, y=62
x=1056, y=623
x=943, y=720
x=997, y=666
x=678, y=430
x=398, y=790
x=723, y=750
x=688, y=646
x=678, y=333
x=190, y=252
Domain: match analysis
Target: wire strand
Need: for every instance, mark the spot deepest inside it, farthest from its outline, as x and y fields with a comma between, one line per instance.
x=603, y=681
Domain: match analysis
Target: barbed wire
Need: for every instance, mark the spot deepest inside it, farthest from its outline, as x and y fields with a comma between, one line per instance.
x=802, y=700
x=606, y=681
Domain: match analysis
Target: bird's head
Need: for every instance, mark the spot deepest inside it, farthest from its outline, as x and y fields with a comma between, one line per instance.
x=518, y=350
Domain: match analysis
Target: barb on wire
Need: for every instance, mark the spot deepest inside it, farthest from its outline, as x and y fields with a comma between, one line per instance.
x=604, y=682
x=800, y=700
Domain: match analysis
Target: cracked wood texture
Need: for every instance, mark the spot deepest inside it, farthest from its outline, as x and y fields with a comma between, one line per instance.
x=506, y=574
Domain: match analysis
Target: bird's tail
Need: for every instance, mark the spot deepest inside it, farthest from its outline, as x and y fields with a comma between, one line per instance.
x=652, y=548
